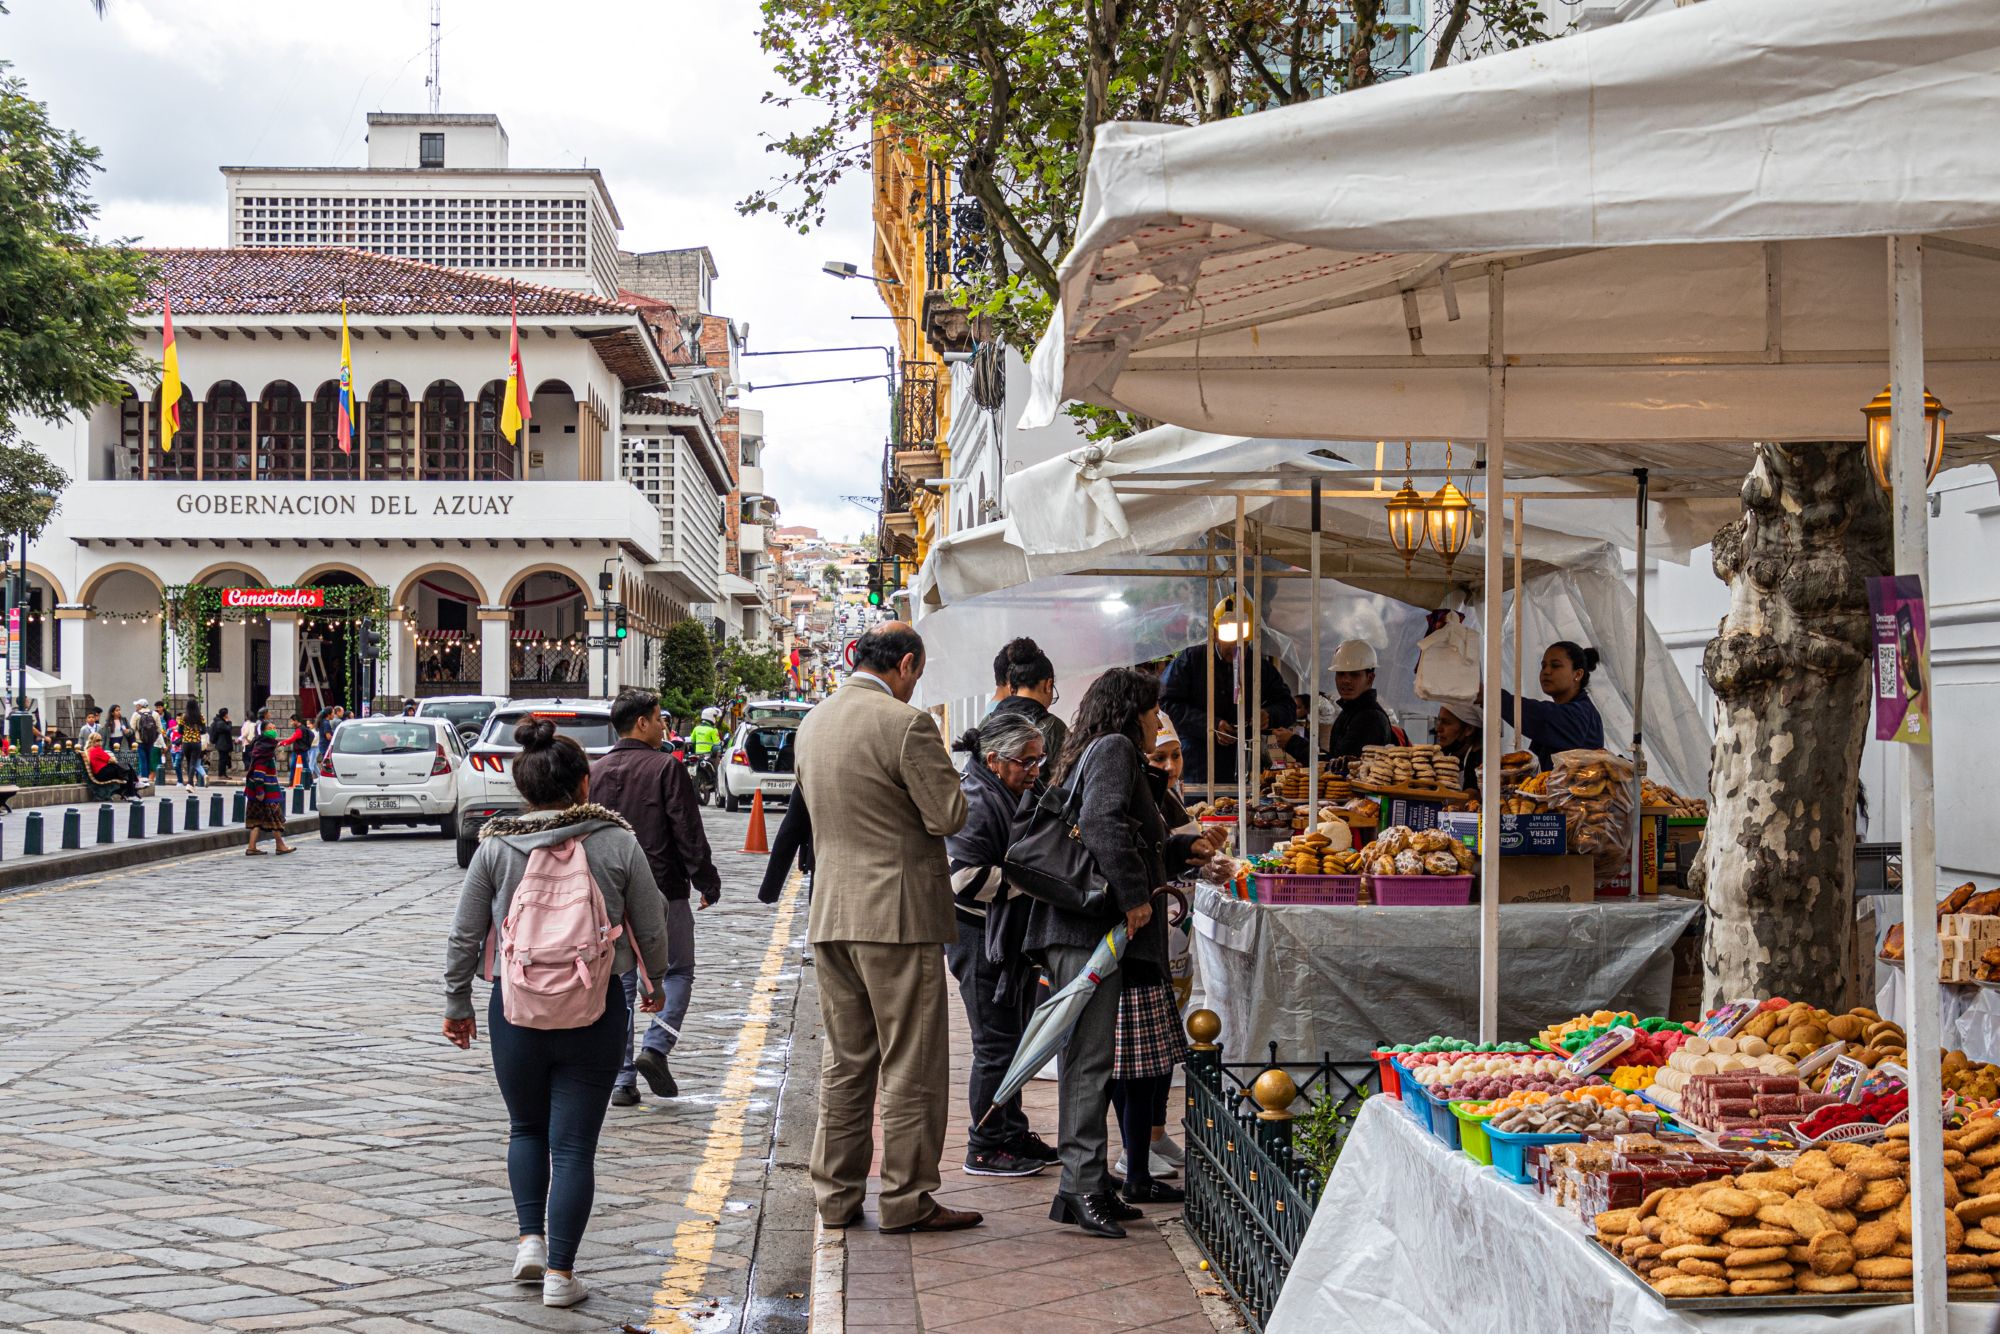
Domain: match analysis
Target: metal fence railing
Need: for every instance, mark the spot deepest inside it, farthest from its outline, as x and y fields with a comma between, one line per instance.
x=1251, y=1191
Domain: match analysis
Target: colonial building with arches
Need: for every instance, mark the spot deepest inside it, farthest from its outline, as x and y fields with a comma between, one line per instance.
x=484, y=564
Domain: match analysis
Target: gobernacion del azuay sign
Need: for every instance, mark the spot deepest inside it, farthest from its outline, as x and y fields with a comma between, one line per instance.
x=335, y=504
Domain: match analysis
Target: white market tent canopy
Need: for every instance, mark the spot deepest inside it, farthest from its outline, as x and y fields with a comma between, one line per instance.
x=1654, y=244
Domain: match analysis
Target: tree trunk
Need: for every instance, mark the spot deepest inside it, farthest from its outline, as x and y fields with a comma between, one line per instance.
x=1790, y=667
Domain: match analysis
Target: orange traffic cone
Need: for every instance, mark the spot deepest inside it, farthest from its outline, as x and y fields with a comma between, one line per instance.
x=298, y=769
x=756, y=842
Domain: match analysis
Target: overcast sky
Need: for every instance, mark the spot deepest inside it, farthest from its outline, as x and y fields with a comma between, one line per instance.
x=663, y=98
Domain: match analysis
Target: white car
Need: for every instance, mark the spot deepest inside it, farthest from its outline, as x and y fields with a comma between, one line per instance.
x=380, y=771
x=467, y=713
x=485, y=780
x=759, y=758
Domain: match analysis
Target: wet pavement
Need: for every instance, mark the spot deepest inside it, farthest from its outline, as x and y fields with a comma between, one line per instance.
x=225, y=1104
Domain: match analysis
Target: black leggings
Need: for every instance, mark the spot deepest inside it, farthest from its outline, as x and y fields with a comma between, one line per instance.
x=1137, y=1102
x=557, y=1086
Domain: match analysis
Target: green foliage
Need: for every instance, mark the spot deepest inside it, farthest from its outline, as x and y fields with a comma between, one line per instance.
x=687, y=670
x=749, y=672
x=65, y=300
x=188, y=609
x=1318, y=1135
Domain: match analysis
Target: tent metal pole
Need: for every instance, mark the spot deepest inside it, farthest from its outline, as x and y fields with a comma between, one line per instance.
x=1245, y=645
x=1639, y=690
x=1311, y=720
x=1253, y=737
x=1208, y=609
x=1520, y=523
x=1909, y=476
x=1490, y=739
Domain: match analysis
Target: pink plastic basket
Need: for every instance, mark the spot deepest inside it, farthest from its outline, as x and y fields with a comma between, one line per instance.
x=1308, y=889
x=1422, y=891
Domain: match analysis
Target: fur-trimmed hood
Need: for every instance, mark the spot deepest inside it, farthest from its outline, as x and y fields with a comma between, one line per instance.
x=533, y=829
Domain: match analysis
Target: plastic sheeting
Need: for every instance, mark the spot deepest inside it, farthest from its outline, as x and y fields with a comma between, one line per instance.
x=1343, y=980
x=1968, y=1013
x=1414, y=1238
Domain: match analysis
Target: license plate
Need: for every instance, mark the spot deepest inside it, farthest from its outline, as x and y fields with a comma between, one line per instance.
x=385, y=803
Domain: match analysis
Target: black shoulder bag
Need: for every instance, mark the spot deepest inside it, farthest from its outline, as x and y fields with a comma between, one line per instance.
x=1047, y=859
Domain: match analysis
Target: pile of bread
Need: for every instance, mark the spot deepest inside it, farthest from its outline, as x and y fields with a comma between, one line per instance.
x=1314, y=854
x=1421, y=768
x=1521, y=783
x=1402, y=851
x=1593, y=791
x=1837, y=1220
x=1655, y=795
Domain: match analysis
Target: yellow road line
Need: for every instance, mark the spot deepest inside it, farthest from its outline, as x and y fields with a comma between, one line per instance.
x=694, y=1240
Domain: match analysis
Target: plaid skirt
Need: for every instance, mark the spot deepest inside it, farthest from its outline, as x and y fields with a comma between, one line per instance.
x=1151, y=1041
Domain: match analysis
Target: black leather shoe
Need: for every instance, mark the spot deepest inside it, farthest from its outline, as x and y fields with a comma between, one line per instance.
x=1087, y=1212
x=1153, y=1192
x=625, y=1095
x=1116, y=1207
x=658, y=1077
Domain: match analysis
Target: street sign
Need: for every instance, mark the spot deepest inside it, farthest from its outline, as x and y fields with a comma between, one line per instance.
x=603, y=641
x=848, y=652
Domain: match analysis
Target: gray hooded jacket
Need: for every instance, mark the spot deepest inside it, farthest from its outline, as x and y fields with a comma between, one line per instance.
x=617, y=864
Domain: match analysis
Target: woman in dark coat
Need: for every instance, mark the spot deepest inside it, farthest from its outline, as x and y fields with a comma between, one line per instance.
x=222, y=735
x=1121, y=826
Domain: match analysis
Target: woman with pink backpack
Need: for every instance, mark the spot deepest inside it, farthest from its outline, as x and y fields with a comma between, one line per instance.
x=558, y=903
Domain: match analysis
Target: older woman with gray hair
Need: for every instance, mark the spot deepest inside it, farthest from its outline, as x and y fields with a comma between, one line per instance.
x=1007, y=752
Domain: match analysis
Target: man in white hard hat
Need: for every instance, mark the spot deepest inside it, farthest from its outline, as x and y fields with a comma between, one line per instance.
x=1362, y=721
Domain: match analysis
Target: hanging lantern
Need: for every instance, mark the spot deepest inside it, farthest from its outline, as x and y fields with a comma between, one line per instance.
x=1877, y=416
x=1448, y=516
x=1406, y=516
x=1233, y=620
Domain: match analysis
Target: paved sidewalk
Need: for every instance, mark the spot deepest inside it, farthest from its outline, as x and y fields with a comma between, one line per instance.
x=18, y=869
x=1017, y=1273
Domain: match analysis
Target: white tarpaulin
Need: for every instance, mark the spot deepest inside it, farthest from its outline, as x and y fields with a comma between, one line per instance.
x=1324, y=269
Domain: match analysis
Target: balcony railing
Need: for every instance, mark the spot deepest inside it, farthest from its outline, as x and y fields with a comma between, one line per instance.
x=917, y=406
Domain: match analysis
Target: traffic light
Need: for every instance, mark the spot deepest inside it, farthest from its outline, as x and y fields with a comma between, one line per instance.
x=622, y=630
x=874, y=583
x=371, y=640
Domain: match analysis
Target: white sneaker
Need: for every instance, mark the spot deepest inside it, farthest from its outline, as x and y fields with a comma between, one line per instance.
x=1158, y=1166
x=531, y=1260
x=560, y=1291
x=1164, y=1147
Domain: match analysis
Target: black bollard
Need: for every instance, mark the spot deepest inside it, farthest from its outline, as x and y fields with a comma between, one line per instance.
x=215, y=809
x=31, y=836
x=106, y=824
x=166, y=816
x=237, y=809
x=135, y=821
x=298, y=801
x=191, y=821
x=312, y=796
x=72, y=835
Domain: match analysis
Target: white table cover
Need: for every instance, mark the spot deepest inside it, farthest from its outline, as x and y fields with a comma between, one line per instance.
x=1411, y=1236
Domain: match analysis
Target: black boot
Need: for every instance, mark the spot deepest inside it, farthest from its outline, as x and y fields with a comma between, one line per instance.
x=1087, y=1212
x=1116, y=1207
x=1151, y=1191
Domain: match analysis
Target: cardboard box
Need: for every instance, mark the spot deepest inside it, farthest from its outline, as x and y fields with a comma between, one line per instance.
x=1412, y=812
x=1545, y=880
x=1539, y=835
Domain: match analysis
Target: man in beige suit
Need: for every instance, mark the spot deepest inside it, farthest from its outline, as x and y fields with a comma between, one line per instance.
x=883, y=795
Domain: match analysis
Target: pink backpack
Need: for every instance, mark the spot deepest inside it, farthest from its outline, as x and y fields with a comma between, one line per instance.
x=557, y=944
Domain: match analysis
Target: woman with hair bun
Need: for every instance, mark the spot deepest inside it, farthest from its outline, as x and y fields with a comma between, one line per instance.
x=556, y=1081
x=1568, y=719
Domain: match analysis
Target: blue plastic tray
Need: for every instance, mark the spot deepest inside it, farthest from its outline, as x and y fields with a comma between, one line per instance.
x=1510, y=1152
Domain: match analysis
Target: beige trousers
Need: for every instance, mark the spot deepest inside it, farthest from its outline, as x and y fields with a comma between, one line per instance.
x=882, y=1009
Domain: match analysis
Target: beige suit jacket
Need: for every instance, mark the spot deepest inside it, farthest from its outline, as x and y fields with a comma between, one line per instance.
x=883, y=795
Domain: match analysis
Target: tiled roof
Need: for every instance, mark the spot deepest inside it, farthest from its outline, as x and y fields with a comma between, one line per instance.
x=302, y=280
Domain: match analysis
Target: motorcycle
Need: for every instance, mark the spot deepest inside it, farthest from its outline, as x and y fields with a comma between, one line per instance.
x=704, y=780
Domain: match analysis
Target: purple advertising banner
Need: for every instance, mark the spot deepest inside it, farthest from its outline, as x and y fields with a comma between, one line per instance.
x=1902, y=659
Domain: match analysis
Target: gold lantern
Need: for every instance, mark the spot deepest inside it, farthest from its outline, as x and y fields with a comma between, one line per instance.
x=1877, y=415
x=1406, y=516
x=1233, y=620
x=1448, y=517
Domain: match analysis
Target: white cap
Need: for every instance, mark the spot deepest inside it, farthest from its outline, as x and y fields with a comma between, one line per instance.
x=1469, y=714
x=1167, y=734
x=1356, y=655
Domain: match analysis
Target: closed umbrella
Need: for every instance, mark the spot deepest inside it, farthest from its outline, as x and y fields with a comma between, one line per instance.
x=1049, y=1026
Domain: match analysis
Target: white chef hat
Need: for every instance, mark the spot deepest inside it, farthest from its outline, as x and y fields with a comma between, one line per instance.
x=1167, y=733
x=1472, y=715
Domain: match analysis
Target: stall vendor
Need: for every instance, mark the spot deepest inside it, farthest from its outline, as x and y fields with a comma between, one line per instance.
x=1362, y=721
x=1458, y=732
x=1568, y=719
x=1197, y=715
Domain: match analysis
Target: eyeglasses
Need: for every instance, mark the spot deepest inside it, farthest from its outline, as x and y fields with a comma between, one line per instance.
x=1035, y=763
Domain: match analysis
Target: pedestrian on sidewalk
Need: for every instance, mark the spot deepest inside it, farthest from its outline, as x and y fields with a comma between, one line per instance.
x=222, y=733
x=1121, y=826
x=652, y=791
x=193, y=737
x=886, y=797
x=92, y=725
x=556, y=1081
x=995, y=980
x=792, y=843
x=1024, y=682
x=106, y=769
x=146, y=731
x=263, y=793
x=117, y=732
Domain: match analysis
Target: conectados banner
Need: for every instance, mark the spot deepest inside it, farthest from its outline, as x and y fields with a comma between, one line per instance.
x=274, y=598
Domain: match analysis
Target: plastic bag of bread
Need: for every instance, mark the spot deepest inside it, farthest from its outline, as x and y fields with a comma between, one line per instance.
x=1409, y=863
x=1593, y=791
x=1431, y=840
x=1440, y=863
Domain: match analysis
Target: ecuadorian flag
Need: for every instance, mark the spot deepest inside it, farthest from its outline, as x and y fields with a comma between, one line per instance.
x=343, y=427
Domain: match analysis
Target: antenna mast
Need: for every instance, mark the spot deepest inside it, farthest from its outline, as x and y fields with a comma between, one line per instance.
x=437, y=44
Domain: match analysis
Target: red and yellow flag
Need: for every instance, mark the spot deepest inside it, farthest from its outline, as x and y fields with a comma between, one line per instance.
x=170, y=382
x=515, y=408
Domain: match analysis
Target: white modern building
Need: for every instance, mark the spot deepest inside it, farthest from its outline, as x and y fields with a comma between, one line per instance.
x=439, y=188
x=486, y=559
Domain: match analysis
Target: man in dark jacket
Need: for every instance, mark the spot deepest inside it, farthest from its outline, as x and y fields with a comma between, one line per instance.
x=1007, y=759
x=1197, y=715
x=644, y=784
x=1362, y=722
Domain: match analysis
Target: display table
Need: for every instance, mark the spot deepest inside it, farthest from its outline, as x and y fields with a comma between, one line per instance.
x=1968, y=1012
x=1342, y=980
x=1416, y=1238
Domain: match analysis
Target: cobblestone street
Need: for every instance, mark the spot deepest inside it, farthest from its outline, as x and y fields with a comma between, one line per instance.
x=225, y=1104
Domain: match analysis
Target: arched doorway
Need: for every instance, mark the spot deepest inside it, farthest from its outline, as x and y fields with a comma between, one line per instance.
x=441, y=610
x=548, y=653
x=122, y=639
x=328, y=641
x=235, y=656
